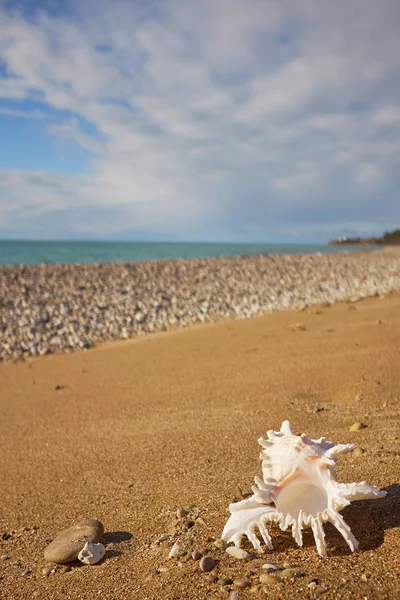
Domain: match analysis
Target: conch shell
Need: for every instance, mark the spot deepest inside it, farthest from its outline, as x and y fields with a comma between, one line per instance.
x=299, y=489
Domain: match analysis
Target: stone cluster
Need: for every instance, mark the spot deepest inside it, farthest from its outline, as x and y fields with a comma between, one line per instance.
x=60, y=308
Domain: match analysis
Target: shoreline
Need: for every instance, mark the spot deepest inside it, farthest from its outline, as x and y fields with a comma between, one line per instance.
x=47, y=309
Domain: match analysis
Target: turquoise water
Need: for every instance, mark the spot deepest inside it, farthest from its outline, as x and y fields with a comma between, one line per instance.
x=33, y=253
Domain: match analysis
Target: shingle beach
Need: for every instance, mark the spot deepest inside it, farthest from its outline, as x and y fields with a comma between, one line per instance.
x=59, y=308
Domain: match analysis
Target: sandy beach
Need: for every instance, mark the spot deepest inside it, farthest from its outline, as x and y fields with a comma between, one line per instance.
x=129, y=432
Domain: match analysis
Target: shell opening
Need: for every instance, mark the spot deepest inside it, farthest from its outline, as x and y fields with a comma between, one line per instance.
x=302, y=496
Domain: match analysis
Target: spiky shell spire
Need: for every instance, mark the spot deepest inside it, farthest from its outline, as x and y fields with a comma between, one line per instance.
x=299, y=489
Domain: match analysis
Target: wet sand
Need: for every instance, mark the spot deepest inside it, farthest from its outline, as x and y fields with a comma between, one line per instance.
x=129, y=432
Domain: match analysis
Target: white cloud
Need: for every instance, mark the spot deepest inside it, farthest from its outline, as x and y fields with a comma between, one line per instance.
x=367, y=173
x=189, y=109
x=387, y=115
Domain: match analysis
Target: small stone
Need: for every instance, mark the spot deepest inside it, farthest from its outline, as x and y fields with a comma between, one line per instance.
x=196, y=555
x=290, y=573
x=163, y=538
x=358, y=452
x=267, y=578
x=359, y=397
x=312, y=585
x=207, y=563
x=270, y=567
x=5, y=557
x=298, y=327
x=357, y=426
x=177, y=550
x=242, y=583
x=234, y=596
x=220, y=544
x=181, y=513
x=188, y=524
x=213, y=578
x=225, y=581
x=26, y=572
x=67, y=545
x=239, y=553
x=48, y=569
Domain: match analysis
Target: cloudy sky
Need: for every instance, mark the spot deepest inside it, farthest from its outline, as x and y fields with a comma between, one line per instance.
x=213, y=120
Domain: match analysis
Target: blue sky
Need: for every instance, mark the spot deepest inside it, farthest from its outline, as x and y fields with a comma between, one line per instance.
x=212, y=120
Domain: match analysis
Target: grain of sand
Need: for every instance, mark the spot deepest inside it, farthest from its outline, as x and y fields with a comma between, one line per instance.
x=129, y=432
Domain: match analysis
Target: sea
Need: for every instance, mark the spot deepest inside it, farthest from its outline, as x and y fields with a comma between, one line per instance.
x=14, y=252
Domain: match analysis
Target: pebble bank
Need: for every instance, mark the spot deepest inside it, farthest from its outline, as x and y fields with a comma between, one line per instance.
x=60, y=308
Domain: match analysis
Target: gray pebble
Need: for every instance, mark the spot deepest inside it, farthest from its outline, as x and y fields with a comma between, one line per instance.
x=213, y=578
x=270, y=567
x=239, y=553
x=290, y=573
x=67, y=545
x=163, y=538
x=207, y=563
x=196, y=555
x=188, y=524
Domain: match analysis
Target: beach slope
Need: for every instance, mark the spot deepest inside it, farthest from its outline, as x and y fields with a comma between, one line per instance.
x=128, y=433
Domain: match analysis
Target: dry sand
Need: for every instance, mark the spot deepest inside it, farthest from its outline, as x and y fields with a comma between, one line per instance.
x=137, y=429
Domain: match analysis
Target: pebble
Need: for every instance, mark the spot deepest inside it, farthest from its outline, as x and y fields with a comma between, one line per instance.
x=188, y=524
x=26, y=572
x=312, y=585
x=357, y=452
x=181, y=513
x=196, y=555
x=359, y=398
x=234, y=595
x=163, y=538
x=59, y=308
x=207, y=563
x=213, y=578
x=357, y=426
x=67, y=545
x=5, y=557
x=177, y=550
x=242, y=583
x=225, y=581
x=270, y=567
x=48, y=569
x=290, y=573
x=239, y=553
x=220, y=544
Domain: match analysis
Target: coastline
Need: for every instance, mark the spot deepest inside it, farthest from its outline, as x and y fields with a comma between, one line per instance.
x=48, y=309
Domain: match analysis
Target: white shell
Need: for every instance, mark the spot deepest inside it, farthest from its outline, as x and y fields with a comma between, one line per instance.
x=299, y=489
x=91, y=553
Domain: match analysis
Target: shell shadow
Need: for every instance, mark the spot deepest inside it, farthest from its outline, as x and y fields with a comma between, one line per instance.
x=369, y=519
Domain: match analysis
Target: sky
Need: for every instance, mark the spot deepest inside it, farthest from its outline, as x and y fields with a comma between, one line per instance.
x=201, y=120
